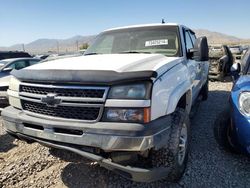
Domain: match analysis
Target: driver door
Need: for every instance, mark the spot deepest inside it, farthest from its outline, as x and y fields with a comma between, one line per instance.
x=194, y=67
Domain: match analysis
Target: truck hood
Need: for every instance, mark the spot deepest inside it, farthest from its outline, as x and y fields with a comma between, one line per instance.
x=108, y=62
x=99, y=69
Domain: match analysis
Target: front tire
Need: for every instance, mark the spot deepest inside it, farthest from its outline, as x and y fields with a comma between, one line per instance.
x=223, y=132
x=175, y=153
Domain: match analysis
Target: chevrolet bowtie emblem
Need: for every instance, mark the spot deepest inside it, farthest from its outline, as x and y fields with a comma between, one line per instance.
x=50, y=100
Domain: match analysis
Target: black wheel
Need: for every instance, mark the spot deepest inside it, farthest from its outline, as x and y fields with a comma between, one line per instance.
x=223, y=132
x=204, y=91
x=175, y=154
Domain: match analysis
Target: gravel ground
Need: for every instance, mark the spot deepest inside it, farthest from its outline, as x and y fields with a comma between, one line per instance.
x=23, y=165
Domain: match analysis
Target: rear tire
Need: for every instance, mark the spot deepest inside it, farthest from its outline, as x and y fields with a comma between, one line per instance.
x=175, y=153
x=223, y=132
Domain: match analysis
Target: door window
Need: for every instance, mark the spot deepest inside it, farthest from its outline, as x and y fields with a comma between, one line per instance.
x=33, y=62
x=19, y=65
x=193, y=37
x=189, y=43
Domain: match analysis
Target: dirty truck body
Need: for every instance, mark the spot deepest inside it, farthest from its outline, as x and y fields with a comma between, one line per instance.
x=124, y=104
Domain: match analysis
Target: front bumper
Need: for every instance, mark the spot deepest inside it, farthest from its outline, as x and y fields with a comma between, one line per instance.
x=129, y=172
x=240, y=123
x=241, y=126
x=123, y=137
x=102, y=135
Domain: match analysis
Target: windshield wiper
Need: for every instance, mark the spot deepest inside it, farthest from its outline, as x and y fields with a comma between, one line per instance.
x=134, y=52
x=93, y=53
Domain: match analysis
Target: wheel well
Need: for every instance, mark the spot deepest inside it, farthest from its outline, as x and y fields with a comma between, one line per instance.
x=182, y=102
x=185, y=101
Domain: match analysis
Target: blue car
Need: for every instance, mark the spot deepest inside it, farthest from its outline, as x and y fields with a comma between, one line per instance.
x=232, y=127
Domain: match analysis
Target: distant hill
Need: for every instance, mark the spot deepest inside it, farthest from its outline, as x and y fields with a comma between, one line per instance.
x=218, y=38
x=70, y=44
x=53, y=45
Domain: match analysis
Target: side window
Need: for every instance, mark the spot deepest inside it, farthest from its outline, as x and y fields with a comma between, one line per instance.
x=33, y=62
x=19, y=65
x=193, y=37
x=189, y=43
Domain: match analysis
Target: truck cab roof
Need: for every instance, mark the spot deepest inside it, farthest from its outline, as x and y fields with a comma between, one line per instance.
x=149, y=25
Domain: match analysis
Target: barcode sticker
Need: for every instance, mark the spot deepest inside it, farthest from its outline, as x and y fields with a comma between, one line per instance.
x=156, y=42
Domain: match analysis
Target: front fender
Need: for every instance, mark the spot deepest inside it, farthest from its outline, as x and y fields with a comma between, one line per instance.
x=168, y=89
x=182, y=89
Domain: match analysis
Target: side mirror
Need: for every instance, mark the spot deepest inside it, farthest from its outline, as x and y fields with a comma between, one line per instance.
x=200, y=50
x=7, y=69
x=235, y=71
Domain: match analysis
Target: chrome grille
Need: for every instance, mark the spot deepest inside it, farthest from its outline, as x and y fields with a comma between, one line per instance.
x=65, y=92
x=77, y=103
x=68, y=112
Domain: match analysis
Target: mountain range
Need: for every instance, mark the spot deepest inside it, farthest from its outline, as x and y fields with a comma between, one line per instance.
x=73, y=43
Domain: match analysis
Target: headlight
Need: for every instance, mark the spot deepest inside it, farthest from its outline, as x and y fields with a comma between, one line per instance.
x=135, y=115
x=133, y=91
x=244, y=103
x=14, y=84
x=13, y=93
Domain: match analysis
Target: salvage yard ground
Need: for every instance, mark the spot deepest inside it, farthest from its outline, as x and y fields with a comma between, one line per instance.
x=23, y=165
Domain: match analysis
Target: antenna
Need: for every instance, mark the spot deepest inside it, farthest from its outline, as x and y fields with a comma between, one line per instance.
x=163, y=21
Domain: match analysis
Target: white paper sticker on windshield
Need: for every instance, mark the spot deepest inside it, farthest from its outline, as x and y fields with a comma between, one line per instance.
x=156, y=42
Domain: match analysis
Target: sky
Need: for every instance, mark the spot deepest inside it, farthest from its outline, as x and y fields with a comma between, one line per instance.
x=23, y=21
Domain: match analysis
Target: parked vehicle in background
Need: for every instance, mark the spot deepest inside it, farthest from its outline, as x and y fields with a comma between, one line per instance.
x=232, y=127
x=245, y=49
x=42, y=57
x=125, y=104
x=220, y=61
x=61, y=56
x=215, y=48
x=82, y=51
x=236, y=50
x=6, y=66
x=13, y=54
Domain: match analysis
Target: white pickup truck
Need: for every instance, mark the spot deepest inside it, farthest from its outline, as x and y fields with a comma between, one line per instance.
x=125, y=104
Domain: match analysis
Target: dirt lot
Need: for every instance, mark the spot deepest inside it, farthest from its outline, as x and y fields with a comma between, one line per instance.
x=23, y=165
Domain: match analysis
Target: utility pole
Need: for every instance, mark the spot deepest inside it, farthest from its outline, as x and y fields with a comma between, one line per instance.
x=57, y=45
x=23, y=47
x=77, y=47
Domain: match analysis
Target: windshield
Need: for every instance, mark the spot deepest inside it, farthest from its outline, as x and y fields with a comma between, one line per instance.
x=4, y=62
x=235, y=48
x=159, y=40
